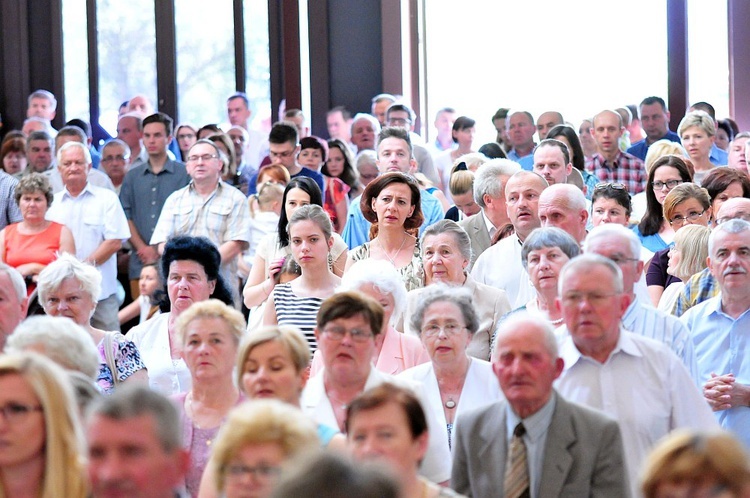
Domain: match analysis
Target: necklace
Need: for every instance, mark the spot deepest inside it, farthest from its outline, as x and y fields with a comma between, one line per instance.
x=393, y=259
x=338, y=402
x=450, y=404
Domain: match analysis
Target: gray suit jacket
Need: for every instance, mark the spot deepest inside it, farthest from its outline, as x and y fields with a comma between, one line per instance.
x=583, y=455
x=478, y=234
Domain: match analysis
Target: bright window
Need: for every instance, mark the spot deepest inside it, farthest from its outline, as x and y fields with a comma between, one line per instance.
x=75, y=60
x=257, y=63
x=708, y=62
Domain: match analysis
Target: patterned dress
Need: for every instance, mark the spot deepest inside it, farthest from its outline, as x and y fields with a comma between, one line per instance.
x=412, y=274
x=127, y=362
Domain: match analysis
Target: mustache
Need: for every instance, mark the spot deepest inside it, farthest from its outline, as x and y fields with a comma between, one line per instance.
x=734, y=269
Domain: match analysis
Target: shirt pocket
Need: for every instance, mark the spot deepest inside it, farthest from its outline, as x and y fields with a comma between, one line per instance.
x=93, y=224
x=219, y=217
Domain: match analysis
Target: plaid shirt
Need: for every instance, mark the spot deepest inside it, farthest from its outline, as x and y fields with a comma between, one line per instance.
x=701, y=287
x=625, y=169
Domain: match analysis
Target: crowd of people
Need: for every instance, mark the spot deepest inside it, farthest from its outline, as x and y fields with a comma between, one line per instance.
x=562, y=311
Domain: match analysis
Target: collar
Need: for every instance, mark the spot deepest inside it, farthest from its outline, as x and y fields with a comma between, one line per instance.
x=86, y=188
x=571, y=355
x=191, y=188
x=488, y=223
x=168, y=167
x=536, y=424
x=714, y=307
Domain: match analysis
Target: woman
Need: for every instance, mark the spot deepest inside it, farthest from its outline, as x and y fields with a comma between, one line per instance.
x=70, y=288
x=208, y=334
x=41, y=454
x=275, y=173
x=686, y=258
x=392, y=204
x=463, y=135
x=723, y=184
x=314, y=154
x=395, y=411
x=186, y=136
x=340, y=164
x=655, y=151
x=31, y=244
x=253, y=444
x=190, y=266
x=697, y=464
x=275, y=249
x=13, y=156
x=296, y=303
x=446, y=252
x=453, y=381
x=724, y=134
x=697, y=132
x=461, y=187
x=394, y=351
x=686, y=204
x=654, y=229
x=610, y=204
x=149, y=294
x=567, y=135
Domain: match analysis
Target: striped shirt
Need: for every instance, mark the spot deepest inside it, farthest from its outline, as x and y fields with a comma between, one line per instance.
x=299, y=312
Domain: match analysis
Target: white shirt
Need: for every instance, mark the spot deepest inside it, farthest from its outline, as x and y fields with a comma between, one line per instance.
x=500, y=266
x=94, y=216
x=643, y=385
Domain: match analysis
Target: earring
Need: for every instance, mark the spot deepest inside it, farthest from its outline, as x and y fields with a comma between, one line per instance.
x=330, y=261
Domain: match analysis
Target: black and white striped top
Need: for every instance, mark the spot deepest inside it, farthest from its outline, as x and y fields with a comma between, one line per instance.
x=299, y=312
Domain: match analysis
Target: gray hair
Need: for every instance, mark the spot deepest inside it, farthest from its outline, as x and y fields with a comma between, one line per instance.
x=572, y=197
x=70, y=145
x=16, y=279
x=583, y=263
x=463, y=242
x=43, y=94
x=135, y=400
x=734, y=226
x=613, y=230
x=366, y=157
x=45, y=122
x=39, y=135
x=59, y=339
x=117, y=141
x=367, y=117
x=64, y=267
x=547, y=237
x=487, y=181
x=523, y=318
x=436, y=293
x=314, y=213
x=383, y=276
x=701, y=119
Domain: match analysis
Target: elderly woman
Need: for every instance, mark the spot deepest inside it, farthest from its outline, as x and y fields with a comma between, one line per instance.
x=69, y=288
x=31, y=244
x=42, y=442
x=208, y=334
x=395, y=352
x=723, y=184
x=686, y=204
x=392, y=204
x=697, y=132
x=686, y=258
x=190, y=266
x=397, y=412
x=453, y=381
x=186, y=135
x=446, y=252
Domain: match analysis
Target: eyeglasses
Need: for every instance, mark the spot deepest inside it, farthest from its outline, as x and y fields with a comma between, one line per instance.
x=204, y=158
x=337, y=334
x=691, y=217
x=399, y=122
x=258, y=472
x=15, y=412
x=284, y=154
x=670, y=184
x=120, y=157
x=620, y=260
x=593, y=298
x=605, y=186
x=449, y=329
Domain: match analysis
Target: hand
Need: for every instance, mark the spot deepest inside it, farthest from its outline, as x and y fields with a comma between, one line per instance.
x=148, y=255
x=275, y=267
x=720, y=392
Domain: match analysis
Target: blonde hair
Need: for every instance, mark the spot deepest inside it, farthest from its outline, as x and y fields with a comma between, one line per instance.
x=64, y=467
x=662, y=148
x=701, y=119
x=212, y=308
x=258, y=422
x=692, y=242
x=683, y=192
x=290, y=337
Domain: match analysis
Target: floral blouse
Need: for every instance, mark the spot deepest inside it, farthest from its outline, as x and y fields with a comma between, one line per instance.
x=127, y=361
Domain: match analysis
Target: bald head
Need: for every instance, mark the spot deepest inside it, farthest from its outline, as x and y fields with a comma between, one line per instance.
x=736, y=207
x=564, y=206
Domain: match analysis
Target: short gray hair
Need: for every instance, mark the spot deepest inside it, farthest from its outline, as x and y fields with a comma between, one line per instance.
x=135, y=400
x=64, y=267
x=460, y=296
x=383, y=276
x=546, y=237
x=366, y=157
x=59, y=339
x=463, y=242
x=39, y=135
x=367, y=117
x=734, y=226
x=117, y=141
x=613, y=230
x=19, y=285
x=70, y=145
x=487, y=181
x=701, y=119
x=43, y=94
x=583, y=263
x=516, y=320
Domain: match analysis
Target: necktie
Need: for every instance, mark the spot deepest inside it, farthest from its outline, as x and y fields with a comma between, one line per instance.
x=517, y=469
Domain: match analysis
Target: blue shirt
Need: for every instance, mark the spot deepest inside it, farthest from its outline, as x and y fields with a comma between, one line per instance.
x=639, y=149
x=722, y=346
x=526, y=162
x=318, y=177
x=718, y=157
x=653, y=243
x=357, y=229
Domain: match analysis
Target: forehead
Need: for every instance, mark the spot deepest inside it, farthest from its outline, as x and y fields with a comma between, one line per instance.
x=524, y=337
x=393, y=143
x=442, y=309
x=363, y=124
x=654, y=108
x=553, y=201
x=609, y=245
x=519, y=118
x=724, y=239
x=203, y=148
x=305, y=227
x=130, y=432
x=186, y=266
x=126, y=122
x=40, y=101
x=155, y=127
x=596, y=277
x=547, y=117
x=439, y=239
x=525, y=183
x=549, y=153
x=113, y=148
x=39, y=143
x=397, y=113
x=237, y=102
x=71, y=153
x=297, y=194
x=396, y=189
x=354, y=321
x=607, y=118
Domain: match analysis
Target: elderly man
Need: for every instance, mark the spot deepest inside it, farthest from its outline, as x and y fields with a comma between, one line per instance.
x=521, y=130
x=115, y=158
x=564, y=207
x=522, y=193
x=489, y=182
x=241, y=140
x=365, y=130
x=546, y=121
x=535, y=443
x=130, y=131
x=95, y=177
x=135, y=448
x=720, y=325
x=636, y=380
x=552, y=161
x=39, y=147
x=13, y=301
x=42, y=104
x=737, y=148
x=98, y=223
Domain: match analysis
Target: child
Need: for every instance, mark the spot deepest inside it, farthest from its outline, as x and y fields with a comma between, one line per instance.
x=146, y=305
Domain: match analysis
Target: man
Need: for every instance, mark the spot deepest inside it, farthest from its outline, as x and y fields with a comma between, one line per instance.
x=489, y=182
x=401, y=115
x=96, y=158
x=737, y=147
x=521, y=134
x=546, y=121
x=339, y=123
x=95, y=177
x=115, y=157
x=610, y=164
x=13, y=301
x=130, y=131
x=9, y=210
x=239, y=114
x=283, y=142
x=380, y=104
x=141, y=104
x=39, y=147
x=498, y=121
x=240, y=139
x=623, y=248
x=42, y=104
x=135, y=449
x=717, y=156
x=655, y=122
x=719, y=327
x=552, y=161
x=98, y=223
x=210, y=208
x=635, y=132
x=145, y=190
x=34, y=123
x=296, y=117
x=566, y=450
x=564, y=206
x=365, y=130
x=346, y=332
x=444, y=120
x=636, y=380
x=522, y=193
x=394, y=154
